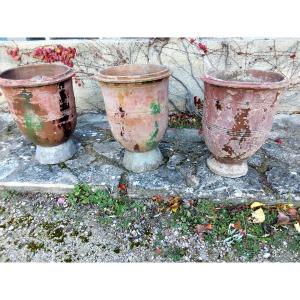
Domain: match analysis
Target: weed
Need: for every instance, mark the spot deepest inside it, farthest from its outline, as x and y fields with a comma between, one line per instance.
x=175, y=253
x=7, y=195
x=62, y=165
x=83, y=194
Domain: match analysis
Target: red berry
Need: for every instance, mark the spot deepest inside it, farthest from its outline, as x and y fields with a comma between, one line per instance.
x=202, y=47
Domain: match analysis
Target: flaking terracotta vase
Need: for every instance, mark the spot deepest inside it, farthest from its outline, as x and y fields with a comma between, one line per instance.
x=237, y=116
x=136, y=103
x=41, y=100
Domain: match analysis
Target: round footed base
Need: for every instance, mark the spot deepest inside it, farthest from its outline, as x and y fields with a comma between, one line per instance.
x=139, y=162
x=227, y=170
x=56, y=154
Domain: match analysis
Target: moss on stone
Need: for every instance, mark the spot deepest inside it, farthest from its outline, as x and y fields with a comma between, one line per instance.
x=84, y=238
x=21, y=222
x=35, y=246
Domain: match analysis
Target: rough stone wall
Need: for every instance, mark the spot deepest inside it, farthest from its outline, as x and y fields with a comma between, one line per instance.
x=185, y=59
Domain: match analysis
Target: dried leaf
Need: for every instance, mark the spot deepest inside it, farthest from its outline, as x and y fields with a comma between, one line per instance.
x=297, y=226
x=209, y=226
x=174, y=203
x=237, y=225
x=256, y=205
x=203, y=228
x=174, y=207
x=258, y=216
x=293, y=213
x=282, y=219
x=284, y=207
x=157, y=198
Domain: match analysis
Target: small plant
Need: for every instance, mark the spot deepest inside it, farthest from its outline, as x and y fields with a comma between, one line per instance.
x=7, y=195
x=175, y=253
x=83, y=194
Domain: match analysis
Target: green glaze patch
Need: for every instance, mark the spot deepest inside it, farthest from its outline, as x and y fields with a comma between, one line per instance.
x=32, y=121
x=155, y=107
x=151, y=141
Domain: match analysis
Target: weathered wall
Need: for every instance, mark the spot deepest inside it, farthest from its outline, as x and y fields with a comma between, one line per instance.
x=186, y=61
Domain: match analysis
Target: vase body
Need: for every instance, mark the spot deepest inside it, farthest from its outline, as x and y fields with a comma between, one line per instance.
x=237, y=117
x=41, y=100
x=136, y=103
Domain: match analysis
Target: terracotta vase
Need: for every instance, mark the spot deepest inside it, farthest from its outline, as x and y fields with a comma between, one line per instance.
x=136, y=103
x=41, y=100
x=237, y=116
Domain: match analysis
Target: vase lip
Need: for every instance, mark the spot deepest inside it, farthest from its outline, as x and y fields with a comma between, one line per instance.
x=35, y=75
x=255, y=79
x=133, y=73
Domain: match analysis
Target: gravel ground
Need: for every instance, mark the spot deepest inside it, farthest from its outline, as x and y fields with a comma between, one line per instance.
x=37, y=228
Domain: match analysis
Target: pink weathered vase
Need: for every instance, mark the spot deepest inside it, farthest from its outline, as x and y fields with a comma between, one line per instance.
x=136, y=103
x=237, y=116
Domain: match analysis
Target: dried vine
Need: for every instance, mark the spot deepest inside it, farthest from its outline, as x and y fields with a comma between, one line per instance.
x=183, y=56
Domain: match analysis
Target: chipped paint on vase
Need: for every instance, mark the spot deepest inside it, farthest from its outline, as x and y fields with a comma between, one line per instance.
x=238, y=115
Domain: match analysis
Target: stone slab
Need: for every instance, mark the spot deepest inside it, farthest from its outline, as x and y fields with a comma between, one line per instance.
x=274, y=171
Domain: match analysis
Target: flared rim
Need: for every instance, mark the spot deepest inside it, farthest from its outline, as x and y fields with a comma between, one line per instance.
x=131, y=73
x=35, y=75
x=250, y=79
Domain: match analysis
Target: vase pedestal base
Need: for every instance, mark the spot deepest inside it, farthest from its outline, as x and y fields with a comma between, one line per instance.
x=139, y=162
x=56, y=154
x=227, y=170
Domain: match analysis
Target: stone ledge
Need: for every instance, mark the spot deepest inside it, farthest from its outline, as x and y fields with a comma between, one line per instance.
x=274, y=171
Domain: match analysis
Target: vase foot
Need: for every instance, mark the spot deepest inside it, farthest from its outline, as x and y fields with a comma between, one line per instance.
x=56, y=154
x=139, y=162
x=227, y=170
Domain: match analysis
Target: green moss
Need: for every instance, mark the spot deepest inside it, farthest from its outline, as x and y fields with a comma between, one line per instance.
x=48, y=226
x=68, y=259
x=58, y=235
x=263, y=168
x=3, y=225
x=175, y=253
x=2, y=209
x=84, y=238
x=62, y=165
x=117, y=250
x=35, y=246
x=7, y=195
x=54, y=231
x=74, y=233
x=21, y=222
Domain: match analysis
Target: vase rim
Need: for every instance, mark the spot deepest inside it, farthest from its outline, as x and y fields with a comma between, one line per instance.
x=35, y=75
x=249, y=79
x=133, y=73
